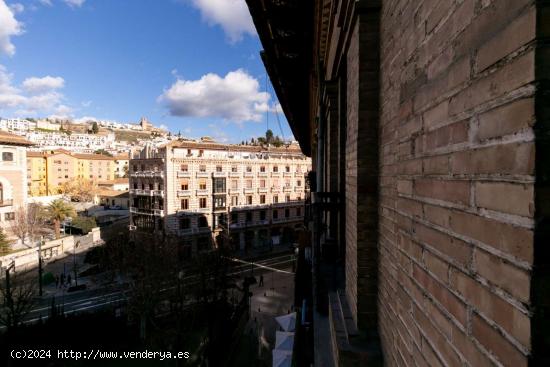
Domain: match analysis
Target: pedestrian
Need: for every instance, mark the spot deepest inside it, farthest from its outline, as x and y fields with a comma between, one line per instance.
x=69, y=280
x=261, y=284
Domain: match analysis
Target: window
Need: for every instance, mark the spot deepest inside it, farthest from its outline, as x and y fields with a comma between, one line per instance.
x=219, y=169
x=262, y=215
x=219, y=201
x=234, y=217
x=151, y=186
x=262, y=183
x=262, y=168
x=9, y=216
x=203, y=222
x=160, y=186
x=184, y=167
x=298, y=212
x=287, y=213
x=7, y=156
x=234, y=200
x=275, y=199
x=219, y=185
x=287, y=198
x=262, y=199
x=234, y=169
x=248, y=184
x=275, y=214
x=275, y=168
x=189, y=153
x=287, y=168
x=185, y=223
x=135, y=168
x=234, y=184
x=249, y=216
x=201, y=153
x=275, y=183
x=202, y=168
x=299, y=183
x=184, y=204
x=202, y=203
x=249, y=199
x=202, y=185
x=287, y=183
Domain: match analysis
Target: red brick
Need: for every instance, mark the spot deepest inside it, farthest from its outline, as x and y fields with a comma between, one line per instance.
x=436, y=115
x=518, y=33
x=510, y=278
x=441, y=294
x=507, y=119
x=456, y=249
x=437, y=266
x=409, y=207
x=469, y=349
x=508, y=317
x=491, y=339
x=447, y=135
x=437, y=215
x=514, y=158
x=506, y=197
x=452, y=191
x=405, y=187
x=512, y=240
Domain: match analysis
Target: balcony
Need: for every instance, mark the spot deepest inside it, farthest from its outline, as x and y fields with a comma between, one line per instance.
x=287, y=189
x=184, y=192
x=220, y=208
x=292, y=203
x=203, y=210
x=275, y=189
x=234, y=174
x=235, y=191
x=143, y=192
x=298, y=174
x=202, y=174
x=275, y=174
x=220, y=174
x=155, y=212
x=202, y=192
x=248, y=174
x=147, y=174
x=185, y=231
x=184, y=174
x=298, y=189
x=248, y=190
x=262, y=189
x=287, y=174
x=262, y=174
x=285, y=220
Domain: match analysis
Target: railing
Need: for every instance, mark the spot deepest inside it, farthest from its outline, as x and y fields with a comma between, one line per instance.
x=289, y=204
x=202, y=174
x=298, y=174
x=182, y=174
x=185, y=231
x=144, y=192
x=298, y=189
x=220, y=208
x=158, y=193
x=262, y=189
x=289, y=219
x=234, y=191
x=184, y=193
x=147, y=174
x=275, y=174
x=202, y=192
x=287, y=189
x=249, y=174
x=220, y=174
x=275, y=189
x=287, y=174
x=248, y=190
x=262, y=174
x=234, y=174
x=155, y=212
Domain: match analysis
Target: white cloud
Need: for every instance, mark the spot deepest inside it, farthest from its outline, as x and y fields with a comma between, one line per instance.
x=86, y=103
x=75, y=3
x=9, y=27
x=37, y=95
x=232, y=15
x=17, y=8
x=235, y=97
x=47, y=83
x=45, y=2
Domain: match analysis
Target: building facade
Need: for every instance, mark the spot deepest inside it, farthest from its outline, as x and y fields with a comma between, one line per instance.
x=13, y=176
x=243, y=196
x=47, y=171
x=428, y=126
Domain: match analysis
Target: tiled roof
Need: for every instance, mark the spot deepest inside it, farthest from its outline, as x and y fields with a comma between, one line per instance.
x=12, y=139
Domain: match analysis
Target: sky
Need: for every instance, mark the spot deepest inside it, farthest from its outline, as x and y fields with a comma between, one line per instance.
x=192, y=66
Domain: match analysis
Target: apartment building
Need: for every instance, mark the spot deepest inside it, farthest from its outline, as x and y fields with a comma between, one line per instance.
x=242, y=196
x=121, y=164
x=13, y=177
x=48, y=170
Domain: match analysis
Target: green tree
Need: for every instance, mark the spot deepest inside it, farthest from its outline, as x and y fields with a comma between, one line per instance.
x=103, y=152
x=58, y=211
x=5, y=245
x=84, y=223
x=95, y=127
x=269, y=136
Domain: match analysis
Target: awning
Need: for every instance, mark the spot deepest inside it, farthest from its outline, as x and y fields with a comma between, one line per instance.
x=287, y=322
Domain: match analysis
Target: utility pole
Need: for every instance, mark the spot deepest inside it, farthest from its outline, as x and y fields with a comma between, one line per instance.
x=40, y=266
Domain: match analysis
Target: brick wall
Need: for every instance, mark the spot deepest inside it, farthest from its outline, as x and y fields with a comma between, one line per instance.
x=457, y=161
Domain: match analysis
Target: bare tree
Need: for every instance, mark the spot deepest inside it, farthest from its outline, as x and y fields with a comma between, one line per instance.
x=28, y=223
x=18, y=299
x=81, y=189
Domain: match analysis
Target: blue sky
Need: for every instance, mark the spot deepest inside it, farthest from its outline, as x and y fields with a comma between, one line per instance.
x=192, y=65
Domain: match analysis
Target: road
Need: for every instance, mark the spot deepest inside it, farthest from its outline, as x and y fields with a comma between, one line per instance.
x=115, y=295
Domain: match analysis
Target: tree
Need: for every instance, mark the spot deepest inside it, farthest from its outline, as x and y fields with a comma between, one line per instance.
x=81, y=189
x=95, y=128
x=103, y=152
x=19, y=299
x=5, y=245
x=58, y=211
x=28, y=223
x=269, y=136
